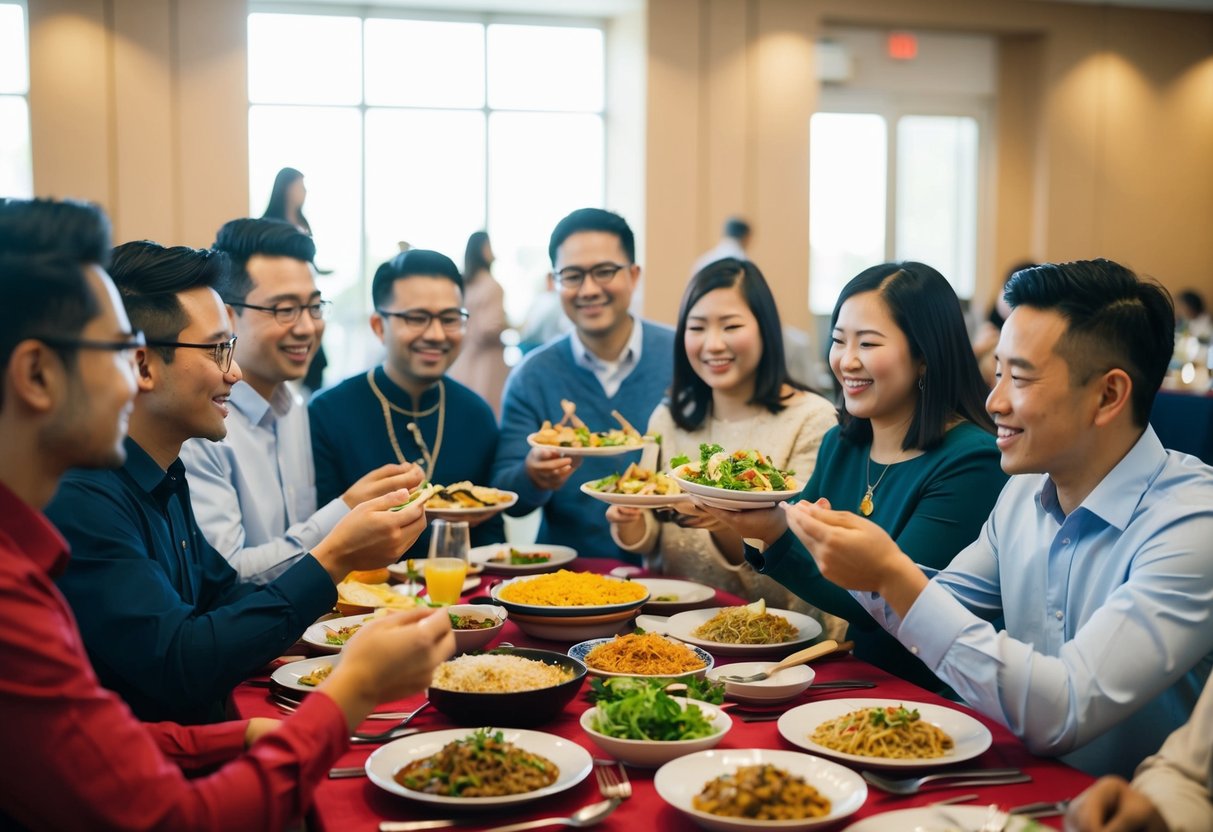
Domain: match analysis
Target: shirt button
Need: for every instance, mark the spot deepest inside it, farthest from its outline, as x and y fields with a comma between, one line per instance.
x=1058, y=615
x=1065, y=541
x=914, y=649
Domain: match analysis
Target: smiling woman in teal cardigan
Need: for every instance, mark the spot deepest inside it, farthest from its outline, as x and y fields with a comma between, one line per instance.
x=914, y=451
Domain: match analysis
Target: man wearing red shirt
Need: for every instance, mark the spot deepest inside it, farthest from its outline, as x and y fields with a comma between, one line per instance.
x=71, y=754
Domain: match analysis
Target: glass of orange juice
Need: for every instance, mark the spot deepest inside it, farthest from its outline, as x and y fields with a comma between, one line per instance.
x=447, y=564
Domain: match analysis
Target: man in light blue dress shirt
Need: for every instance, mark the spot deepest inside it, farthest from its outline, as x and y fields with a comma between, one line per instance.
x=1102, y=567
x=254, y=492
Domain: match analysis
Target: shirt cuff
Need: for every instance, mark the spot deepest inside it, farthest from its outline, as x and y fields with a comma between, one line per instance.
x=309, y=588
x=933, y=624
x=768, y=560
x=648, y=540
x=326, y=518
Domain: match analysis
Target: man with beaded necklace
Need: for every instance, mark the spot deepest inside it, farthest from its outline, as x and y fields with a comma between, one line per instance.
x=408, y=409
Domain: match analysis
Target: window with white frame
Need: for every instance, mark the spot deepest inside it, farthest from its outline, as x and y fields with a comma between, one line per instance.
x=425, y=131
x=16, y=161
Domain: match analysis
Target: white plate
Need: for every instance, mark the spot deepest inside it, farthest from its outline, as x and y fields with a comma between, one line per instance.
x=634, y=500
x=469, y=583
x=561, y=555
x=680, y=780
x=290, y=673
x=687, y=592
x=971, y=738
x=682, y=625
x=573, y=761
x=730, y=498
x=933, y=819
x=607, y=450
x=581, y=650
x=561, y=612
x=784, y=685
x=315, y=635
x=465, y=513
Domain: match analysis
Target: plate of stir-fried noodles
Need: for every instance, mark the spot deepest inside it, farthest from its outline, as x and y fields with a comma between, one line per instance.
x=881, y=733
x=747, y=630
x=478, y=767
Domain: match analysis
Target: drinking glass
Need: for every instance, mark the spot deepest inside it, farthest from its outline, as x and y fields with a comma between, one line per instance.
x=447, y=564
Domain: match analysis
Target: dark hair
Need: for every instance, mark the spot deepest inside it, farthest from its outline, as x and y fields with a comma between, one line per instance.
x=995, y=317
x=1113, y=319
x=1193, y=300
x=241, y=239
x=149, y=277
x=474, y=260
x=736, y=227
x=593, y=219
x=44, y=245
x=276, y=208
x=925, y=308
x=689, y=394
x=412, y=263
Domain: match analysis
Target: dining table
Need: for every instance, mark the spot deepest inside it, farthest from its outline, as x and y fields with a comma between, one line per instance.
x=358, y=805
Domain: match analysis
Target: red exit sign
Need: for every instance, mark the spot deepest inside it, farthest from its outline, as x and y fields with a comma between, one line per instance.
x=902, y=46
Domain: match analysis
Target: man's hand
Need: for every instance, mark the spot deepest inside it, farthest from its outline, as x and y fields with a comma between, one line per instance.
x=1112, y=805
x=389, y=658
x=383, y=480
x=549, y=469
x=372, y=535
x=856, y=554
x=767, y=525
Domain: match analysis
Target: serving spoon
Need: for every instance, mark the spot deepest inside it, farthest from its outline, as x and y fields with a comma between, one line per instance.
x=799, y=657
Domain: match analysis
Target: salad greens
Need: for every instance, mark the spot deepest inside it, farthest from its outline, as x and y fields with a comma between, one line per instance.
x=647, y=712
x=738, y=471
x=616, y=688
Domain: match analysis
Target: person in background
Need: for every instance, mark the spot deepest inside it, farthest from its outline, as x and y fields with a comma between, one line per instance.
x=545, y=320
x=286, y=200
x=734, y=244
x=611, y=361
x=254, y=491
x=914, y=449
x=986, y=338
x=731, y=388
x=1097, y=553
x=481, y=363
x=72, y=755
x=167, y=622
x=1172, y=790
x=408, y=410
x=1191, y=317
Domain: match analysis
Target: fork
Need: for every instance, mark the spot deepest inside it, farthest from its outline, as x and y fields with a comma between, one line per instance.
x=976, y=777
x=611, y=784
x=290, y=706
x=391, y=733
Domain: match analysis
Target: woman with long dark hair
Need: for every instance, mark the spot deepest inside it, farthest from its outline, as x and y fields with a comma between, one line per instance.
x=913, y=451
x=286, y=200
x=481, y=365
x=731, y=388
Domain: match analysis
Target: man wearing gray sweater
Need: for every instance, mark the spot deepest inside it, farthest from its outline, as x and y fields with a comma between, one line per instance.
x=610, y=361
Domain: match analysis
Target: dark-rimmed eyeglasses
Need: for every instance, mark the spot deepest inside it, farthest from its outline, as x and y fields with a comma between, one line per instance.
x=222, y=352
x=419, y=320
x=132, y=343
x=572, y=277
x=288, y=313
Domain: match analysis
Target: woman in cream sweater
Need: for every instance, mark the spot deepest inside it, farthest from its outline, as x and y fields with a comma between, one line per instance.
x=730, y=388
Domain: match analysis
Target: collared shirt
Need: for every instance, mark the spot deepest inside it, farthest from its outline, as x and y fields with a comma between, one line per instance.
x=73, y=756
x=254, y=492
x=167, y=622
x=610, y=374
x=1109, y=610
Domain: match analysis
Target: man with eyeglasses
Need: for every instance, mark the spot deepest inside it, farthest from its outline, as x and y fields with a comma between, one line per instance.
x=611, y=361
x=408, y=410
x=254, y=491
x=166, y=620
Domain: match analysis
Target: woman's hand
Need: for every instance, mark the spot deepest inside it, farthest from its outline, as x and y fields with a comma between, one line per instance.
x=628, y=523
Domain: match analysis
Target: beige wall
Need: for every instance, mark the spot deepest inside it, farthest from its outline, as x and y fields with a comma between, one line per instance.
x=141, y=105
x=1104, y=133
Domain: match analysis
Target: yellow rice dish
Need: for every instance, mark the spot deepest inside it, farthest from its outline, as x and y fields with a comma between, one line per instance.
x=572, y=589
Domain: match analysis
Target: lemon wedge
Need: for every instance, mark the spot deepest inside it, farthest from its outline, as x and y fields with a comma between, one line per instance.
x=759, y=607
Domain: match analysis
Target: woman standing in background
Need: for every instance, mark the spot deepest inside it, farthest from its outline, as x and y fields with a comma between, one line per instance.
x=481, y=365
x=286, y=200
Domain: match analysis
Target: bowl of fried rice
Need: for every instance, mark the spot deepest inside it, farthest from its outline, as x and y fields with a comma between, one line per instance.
x=517, y=687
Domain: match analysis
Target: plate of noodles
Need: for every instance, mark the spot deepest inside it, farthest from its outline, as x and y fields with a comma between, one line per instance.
x=743, y=631
x=483, y=768
x=642, y=654
x=881, y=733
x=745, y=789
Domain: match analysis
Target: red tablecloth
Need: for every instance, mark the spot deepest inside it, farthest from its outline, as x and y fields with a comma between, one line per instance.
x=355, y=805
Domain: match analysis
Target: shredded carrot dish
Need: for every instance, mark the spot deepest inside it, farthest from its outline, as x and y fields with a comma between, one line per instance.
x=646, y=654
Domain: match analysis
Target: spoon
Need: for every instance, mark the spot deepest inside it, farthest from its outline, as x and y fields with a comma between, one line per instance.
x=585, y=816
x=799, y=657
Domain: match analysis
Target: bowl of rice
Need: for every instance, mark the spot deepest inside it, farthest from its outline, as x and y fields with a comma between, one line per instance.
x=565, y=594
x=516, y=687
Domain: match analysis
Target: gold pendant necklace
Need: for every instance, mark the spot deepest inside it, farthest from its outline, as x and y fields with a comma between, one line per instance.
x=866, y=506
x=430, y=460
